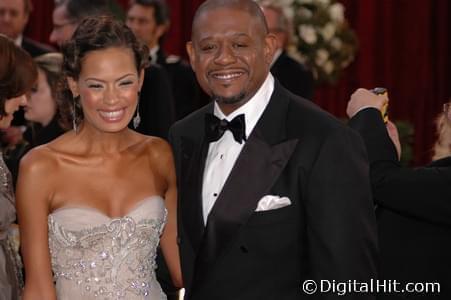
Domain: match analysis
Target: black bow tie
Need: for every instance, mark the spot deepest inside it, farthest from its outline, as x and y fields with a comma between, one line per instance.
x=215, y=128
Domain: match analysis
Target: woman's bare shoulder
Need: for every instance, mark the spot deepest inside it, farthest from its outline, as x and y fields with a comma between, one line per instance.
x=44, y=157
x=158, y=148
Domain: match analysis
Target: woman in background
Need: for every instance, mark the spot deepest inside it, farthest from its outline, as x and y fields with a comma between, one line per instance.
x=44, y=110
x=17, y=76
x=44, y=104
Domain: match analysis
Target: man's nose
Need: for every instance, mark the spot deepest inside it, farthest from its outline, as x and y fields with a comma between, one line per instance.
x=225, y=55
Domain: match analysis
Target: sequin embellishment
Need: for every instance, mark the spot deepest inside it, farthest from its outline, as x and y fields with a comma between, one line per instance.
x=109, y=261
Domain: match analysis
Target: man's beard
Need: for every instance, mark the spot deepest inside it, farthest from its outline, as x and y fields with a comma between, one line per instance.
x=229, y=100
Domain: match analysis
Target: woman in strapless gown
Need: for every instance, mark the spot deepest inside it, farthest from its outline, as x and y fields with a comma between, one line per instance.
x=93, y=203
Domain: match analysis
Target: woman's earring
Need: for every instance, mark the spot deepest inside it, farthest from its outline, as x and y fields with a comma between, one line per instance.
x=74, y=114
x=137, y=118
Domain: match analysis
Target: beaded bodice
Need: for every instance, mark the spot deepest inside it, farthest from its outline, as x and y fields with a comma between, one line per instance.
x=96, y=257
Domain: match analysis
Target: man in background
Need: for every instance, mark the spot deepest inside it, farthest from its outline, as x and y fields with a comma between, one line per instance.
x=149, y=20
x=14, y=15
x=291, y=74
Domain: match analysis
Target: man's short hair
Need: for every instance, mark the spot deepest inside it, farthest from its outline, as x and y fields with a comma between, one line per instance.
x=160, y=8
x=79, y=9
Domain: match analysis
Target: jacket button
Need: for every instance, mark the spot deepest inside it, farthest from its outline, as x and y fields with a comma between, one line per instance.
x=244, y=249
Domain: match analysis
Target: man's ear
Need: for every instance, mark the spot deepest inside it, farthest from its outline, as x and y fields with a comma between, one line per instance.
x=161, y=30
x=73, y=86
x=270, y=47
x=191, y=54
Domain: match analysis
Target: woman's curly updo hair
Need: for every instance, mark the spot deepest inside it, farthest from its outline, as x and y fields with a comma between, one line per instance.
x=18, y=73
x=97, y=33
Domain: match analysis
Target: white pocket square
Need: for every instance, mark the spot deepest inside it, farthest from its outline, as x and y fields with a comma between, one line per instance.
x=270, y=202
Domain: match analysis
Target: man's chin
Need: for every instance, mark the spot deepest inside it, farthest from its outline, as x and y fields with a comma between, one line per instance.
x=229, y=100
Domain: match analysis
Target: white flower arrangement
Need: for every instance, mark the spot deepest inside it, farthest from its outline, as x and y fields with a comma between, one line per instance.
x=322, y=39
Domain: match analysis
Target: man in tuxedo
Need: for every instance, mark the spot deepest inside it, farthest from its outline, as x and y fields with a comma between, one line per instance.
x=272, y=190
x=156, y=107
x=293, y=75
x=14, y=15
x=413, y=205
x=149, y=20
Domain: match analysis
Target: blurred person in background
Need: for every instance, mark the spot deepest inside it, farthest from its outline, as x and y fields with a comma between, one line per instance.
x=67, y=14
x=14, y=15
x=293, y=75
x=413, y=205
x=150, y=21
x=17, y=75
x=42, y=110
x=442, y=146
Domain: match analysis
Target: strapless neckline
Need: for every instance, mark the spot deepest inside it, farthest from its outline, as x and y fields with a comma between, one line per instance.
x=135, y=208
x=95, y=256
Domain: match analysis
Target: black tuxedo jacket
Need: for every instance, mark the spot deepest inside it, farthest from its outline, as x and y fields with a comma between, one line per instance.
x=156, y=103
x=293, y=76
x=328, y=232
x=413, y=213
x=185, y=88
x=34, y=48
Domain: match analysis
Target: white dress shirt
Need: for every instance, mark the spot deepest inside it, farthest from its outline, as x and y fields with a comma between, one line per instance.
x=153, y=54
x=223, y=153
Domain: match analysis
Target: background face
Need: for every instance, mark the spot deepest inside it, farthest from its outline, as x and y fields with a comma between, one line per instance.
x=108, y=87
x=41, y=107
x=142, y=22
x=272, y=17
x=230, y=54
x=63, y=26
x=13, y=17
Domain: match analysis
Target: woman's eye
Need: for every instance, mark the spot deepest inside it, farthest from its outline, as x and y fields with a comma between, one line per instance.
x=125, y=83
x=95, y=86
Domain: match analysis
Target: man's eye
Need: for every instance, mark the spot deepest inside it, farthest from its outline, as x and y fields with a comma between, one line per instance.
x=207, y=47
x=239, y=45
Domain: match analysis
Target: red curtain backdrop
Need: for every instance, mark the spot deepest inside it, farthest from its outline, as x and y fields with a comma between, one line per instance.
x=404, y=46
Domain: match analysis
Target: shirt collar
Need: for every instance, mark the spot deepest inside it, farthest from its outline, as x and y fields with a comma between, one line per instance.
x=153, y=54
x=253, y=109
x=19, y=40
x=276, y=56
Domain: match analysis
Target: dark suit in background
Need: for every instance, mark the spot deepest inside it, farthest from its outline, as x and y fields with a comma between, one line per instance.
x=183, y=82
x=293, y=76
x=156, y=103
x=413, y=212
x=35, y=48
x=298, y=151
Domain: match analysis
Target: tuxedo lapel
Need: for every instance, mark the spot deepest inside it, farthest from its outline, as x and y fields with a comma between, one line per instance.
x=257, y=168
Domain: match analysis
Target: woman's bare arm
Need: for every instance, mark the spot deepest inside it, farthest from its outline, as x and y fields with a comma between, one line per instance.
x=32, y=195
x=168, y=241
